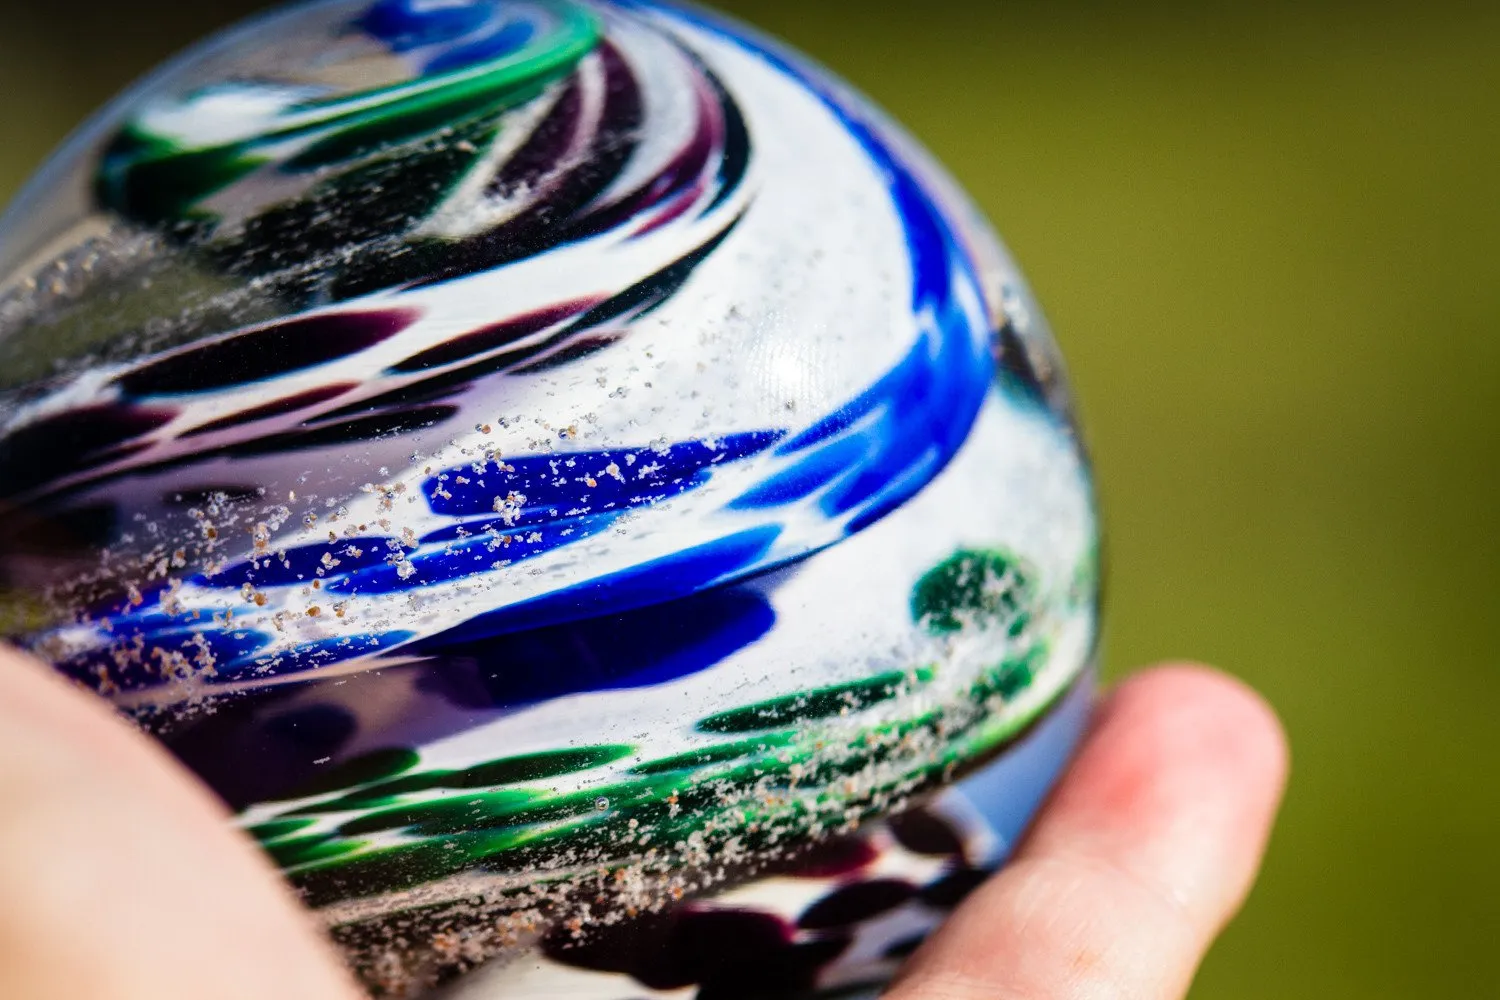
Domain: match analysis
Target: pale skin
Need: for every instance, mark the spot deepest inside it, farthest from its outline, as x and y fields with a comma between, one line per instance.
x=121, y=880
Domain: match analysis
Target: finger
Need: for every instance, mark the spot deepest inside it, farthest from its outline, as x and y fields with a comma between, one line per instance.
x=1147, y=848
x=120, y=877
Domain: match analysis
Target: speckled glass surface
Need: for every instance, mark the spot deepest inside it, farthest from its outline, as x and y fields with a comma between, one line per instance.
x=586, y=489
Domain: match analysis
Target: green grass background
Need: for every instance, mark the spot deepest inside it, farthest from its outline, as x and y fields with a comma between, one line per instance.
x=1268, y=237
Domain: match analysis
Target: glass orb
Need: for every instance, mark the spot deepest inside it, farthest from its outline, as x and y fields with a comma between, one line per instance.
x=585, y=488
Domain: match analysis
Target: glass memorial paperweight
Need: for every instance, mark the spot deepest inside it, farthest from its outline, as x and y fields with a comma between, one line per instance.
x=587, y=490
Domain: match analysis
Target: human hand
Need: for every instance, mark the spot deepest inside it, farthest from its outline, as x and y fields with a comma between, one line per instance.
x=120, y=876
x=1144, y=852
x=122, y=880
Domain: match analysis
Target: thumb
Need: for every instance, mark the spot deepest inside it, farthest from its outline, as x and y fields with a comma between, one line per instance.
x=121, y=878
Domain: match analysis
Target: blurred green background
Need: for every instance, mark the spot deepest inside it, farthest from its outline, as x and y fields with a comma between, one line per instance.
x=1268, y=237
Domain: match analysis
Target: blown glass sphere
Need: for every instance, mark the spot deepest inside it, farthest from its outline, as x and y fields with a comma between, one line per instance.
x=585, y=488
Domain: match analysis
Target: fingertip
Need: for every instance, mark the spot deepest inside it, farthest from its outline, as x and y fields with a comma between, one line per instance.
x=1204, y=708
x=1145, y=850
x=1181, y=777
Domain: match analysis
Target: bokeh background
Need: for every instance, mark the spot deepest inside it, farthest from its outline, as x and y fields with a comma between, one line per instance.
x=1268, y=237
